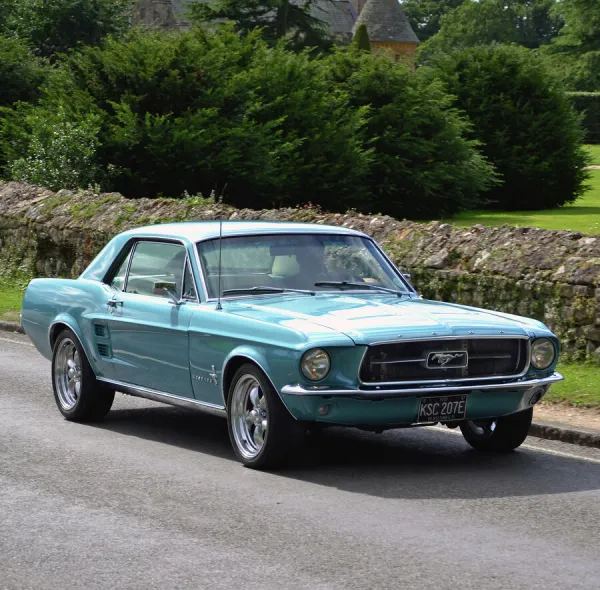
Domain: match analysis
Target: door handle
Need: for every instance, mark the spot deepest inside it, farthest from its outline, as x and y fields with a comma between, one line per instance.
x=114, y=303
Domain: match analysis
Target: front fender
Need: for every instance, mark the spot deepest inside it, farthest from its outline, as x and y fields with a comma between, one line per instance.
x=275, y=364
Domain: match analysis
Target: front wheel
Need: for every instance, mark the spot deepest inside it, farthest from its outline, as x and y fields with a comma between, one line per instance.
x=498, y=435
x=261, y=429
x=78, y=395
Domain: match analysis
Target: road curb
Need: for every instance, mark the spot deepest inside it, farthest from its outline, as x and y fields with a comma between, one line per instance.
x=576, y=436
x=11, y=327
x=547, y=430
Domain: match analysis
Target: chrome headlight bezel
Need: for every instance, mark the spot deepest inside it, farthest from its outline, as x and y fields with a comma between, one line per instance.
x=543, y=353
x=315, y=364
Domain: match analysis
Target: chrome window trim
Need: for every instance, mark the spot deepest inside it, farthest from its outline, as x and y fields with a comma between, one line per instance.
x=410, y=289
x=435, y=381
x=155, y=240
x=165, y=398
x=531, y=384
x=201, y=272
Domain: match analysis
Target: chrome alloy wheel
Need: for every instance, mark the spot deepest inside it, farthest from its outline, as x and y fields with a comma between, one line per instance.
x=482, y=428
x=249, y=416
x=67, y=374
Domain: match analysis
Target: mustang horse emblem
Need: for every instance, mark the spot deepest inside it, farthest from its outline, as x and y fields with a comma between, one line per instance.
x=443, y=359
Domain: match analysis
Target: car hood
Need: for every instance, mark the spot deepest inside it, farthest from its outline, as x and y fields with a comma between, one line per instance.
x=377, y=318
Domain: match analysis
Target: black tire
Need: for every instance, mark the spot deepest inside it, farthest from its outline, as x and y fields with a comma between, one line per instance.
x=283, y=432
x=508, y=434
x=79, y=397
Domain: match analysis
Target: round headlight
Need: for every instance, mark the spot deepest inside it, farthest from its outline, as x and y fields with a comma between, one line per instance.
x=315, y=364
x=542, y=353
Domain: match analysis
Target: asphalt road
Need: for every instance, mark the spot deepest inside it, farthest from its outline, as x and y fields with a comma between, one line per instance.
x=153, y=498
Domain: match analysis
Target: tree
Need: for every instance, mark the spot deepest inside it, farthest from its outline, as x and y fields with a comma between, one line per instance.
x=157, y=113
x=361, y=38
x=56, y=26
x=424, y=15
x=423, y=165
x=524, y=122
x=575, y=53
x=279, y=19
x=21, y=74
x=530, y=23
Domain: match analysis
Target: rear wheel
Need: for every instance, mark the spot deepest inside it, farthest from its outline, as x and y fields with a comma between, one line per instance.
x=78, y=394
x=262, y=431
x=498, y=435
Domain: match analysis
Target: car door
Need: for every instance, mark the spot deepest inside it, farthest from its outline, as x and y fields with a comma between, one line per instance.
x=148, y=328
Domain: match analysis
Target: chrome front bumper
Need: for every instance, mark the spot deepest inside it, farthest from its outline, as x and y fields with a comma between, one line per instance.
x=529, y=384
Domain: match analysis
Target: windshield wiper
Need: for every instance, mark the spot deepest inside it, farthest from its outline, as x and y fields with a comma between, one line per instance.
x=358, y=286
x=265, y=289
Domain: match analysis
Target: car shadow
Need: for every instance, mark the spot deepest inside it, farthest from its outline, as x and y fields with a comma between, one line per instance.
x=415, y=463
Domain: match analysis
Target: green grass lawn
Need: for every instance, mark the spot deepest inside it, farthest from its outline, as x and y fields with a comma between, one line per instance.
x=10, y=304
x=583, y=215
x=581, y=386
x=594, y=151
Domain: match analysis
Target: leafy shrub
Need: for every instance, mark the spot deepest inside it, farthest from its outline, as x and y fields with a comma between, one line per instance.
x=423, y=167
x=258, y=125
x=53, y=149
x=524, y=121
x=157, y=114
x=588, y=105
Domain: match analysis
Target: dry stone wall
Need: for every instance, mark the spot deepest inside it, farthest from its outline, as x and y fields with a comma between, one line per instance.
x=553, y=276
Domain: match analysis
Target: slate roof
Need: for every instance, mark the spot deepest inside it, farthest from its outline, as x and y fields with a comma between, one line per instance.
x=385, y=19
x=339, y=16
x=386, y=22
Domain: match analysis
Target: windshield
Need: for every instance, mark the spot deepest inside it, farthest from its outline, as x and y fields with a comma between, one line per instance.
x=311, y=262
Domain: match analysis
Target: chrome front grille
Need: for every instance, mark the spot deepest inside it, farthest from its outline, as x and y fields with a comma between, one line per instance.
x=443, y=359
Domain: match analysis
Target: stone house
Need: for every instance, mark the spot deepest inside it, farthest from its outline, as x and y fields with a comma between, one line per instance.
x=387, y=25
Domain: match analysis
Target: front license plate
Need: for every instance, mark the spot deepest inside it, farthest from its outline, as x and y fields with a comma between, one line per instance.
x=442, y=409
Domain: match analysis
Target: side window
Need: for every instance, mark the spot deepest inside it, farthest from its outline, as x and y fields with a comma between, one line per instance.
x=156, y=262
x=118, y=281
x=189, y=290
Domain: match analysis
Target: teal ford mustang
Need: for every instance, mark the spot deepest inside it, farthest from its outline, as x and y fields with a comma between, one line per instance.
x=283, y=328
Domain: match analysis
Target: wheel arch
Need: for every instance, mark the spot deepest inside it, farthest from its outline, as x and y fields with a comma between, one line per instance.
x=234, y=361
x=59, y=324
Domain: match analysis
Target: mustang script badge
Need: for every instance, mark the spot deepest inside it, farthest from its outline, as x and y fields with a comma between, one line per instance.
x=447, y=360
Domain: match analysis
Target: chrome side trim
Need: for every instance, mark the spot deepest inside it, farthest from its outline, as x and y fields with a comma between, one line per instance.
x=166, y=398
x=464, y=380
x=415, y=391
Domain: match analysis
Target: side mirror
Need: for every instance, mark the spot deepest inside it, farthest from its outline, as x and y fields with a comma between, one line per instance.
x=166, y=288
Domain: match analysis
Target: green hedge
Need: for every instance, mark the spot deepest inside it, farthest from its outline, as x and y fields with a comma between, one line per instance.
x=588, y=104
x=524, y=122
